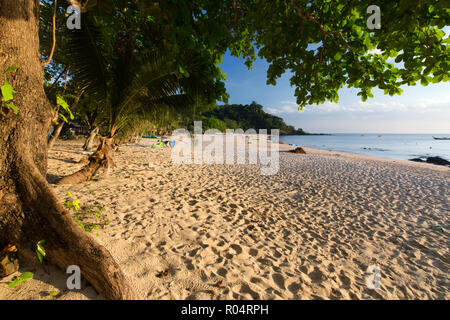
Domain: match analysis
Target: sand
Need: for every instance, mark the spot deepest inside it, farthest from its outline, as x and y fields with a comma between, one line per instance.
x=226, y=232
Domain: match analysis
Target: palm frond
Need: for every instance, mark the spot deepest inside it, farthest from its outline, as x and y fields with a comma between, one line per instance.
x=87, y=61
x=154, y=81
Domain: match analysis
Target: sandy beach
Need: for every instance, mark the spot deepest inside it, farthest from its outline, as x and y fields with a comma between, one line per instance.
x=226, y=232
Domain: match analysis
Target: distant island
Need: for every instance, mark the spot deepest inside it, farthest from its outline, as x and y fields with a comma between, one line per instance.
x=249, y=116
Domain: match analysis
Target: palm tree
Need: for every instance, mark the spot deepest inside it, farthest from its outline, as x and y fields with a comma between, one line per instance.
x=126, y=81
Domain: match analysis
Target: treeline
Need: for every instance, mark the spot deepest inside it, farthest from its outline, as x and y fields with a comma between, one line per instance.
x=238, y=116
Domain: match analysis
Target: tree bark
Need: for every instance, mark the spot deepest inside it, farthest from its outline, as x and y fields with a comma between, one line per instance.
x=55, y=135
x=29, y=210
x=89, y=143
x=99, y=159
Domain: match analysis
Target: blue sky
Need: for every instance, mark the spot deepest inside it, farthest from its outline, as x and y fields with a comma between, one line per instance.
x=418, y=110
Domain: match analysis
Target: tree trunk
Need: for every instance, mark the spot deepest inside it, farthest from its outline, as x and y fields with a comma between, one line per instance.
x=60, y=125
x=29, y=210
x=89, y=143
x=99, y=159
x=54, y=135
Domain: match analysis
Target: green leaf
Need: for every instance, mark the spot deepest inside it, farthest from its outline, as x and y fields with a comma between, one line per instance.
x=41, y=250
x=63, y=117
x=337, y=56
x=26, y=275
x=8, y=92
x=40, y=257
x=424, y=81
x=13, y=107
x=76, y=205
x=61, y=102
x=12, y=68
x=14, y=283
x=53, y=293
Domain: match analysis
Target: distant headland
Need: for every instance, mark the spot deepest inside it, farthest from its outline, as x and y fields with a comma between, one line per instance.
x=248, y=116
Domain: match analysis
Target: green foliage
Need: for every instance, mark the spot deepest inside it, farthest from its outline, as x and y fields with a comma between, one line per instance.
x=214, y=123
x=127, y=80
x=24, y=277
x=324, y=45
x=335, y=48
x=90, y=219
x=245, y=117
x=40, y=251
x=60, y=102
x=7, y=91
x=53, y=293
x=12, y=68
x=72, y=204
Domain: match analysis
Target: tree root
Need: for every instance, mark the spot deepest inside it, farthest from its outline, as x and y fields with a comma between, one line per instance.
x=32, y=213
x=99, y=159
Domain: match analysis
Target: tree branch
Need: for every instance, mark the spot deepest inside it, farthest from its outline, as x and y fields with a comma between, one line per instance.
x=308, y=16
x=54, y=35
x=82, y=4
x=427, y=42
x=56, y=80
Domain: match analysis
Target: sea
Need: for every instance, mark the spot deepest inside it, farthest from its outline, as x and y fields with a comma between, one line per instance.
x=392, y=146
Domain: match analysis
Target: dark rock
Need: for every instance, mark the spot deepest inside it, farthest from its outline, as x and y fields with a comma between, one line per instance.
x=433, y=160
x=298, y=150
x=438, y=161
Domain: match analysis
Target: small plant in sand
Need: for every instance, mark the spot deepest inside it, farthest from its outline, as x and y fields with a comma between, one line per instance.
x=53, y=293
x=84, y=219
x=72, y=204
x=24, y=277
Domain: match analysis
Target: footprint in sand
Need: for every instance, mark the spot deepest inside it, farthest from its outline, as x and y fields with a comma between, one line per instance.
x=279, y=280
x=237, y=249
x=222, y=272
x=245, y=289
x=317, y=275
x=346, y=281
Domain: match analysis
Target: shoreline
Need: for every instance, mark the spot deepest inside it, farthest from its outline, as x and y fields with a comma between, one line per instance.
x=389, y=146
x=308, y=232
x=375, y=158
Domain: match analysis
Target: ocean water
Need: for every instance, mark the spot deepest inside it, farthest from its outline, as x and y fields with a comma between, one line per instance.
x=393, y=146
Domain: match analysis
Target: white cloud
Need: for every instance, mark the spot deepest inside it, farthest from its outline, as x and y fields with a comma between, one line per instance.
x=285, y=107
x=375, y=51
x=369, y=107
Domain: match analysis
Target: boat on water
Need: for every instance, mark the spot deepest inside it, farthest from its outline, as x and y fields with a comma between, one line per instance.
x=443, y=138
